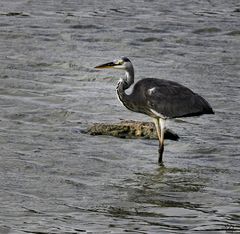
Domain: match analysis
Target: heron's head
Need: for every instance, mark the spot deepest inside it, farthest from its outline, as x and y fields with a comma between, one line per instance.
x=123, y=63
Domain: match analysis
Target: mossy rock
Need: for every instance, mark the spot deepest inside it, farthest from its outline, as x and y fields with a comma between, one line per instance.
x=129, y=129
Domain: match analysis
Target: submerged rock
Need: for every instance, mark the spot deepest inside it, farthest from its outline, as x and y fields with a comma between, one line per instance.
x=130, y=129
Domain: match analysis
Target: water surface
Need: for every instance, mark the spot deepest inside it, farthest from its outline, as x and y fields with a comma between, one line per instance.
x=54, y=179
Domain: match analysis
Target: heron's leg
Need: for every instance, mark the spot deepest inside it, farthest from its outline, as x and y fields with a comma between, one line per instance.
x=160, y=133
x=161, y=145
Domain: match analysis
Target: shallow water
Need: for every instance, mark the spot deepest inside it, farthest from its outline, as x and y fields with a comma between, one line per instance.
x=54, y=179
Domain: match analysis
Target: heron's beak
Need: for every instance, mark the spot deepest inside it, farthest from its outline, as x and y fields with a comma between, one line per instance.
x=106, y=65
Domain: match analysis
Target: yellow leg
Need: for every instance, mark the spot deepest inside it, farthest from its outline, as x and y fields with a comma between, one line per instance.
x=160, y=125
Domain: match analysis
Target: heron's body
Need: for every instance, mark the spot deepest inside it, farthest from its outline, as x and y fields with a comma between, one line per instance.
x=158, y=98
x=163, y=98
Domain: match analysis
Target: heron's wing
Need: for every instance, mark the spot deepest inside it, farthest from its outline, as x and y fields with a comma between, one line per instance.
x=174, y=100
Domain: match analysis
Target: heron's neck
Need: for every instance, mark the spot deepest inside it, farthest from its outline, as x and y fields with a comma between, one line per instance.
x=128, y=80
x=123, y=84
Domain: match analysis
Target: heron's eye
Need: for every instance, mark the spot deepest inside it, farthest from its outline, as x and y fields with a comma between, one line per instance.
x=120, y=62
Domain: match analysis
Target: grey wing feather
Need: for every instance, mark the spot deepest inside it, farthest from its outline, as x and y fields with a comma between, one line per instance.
x=175, y=100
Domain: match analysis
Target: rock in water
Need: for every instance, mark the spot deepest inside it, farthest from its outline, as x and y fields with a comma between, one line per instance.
x=130, y=129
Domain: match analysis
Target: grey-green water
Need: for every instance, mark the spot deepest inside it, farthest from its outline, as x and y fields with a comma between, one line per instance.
x=54, y=179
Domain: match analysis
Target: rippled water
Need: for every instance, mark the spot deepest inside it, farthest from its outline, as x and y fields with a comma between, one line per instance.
x=54, y=179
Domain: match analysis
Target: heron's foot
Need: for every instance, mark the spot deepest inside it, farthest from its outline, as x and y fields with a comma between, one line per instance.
x=161, y=164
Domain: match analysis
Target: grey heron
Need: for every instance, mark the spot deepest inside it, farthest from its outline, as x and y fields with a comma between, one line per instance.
x=158, y=98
